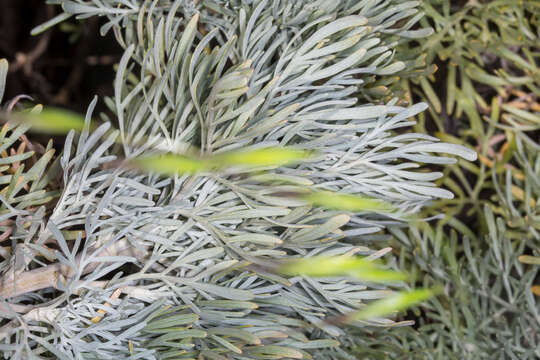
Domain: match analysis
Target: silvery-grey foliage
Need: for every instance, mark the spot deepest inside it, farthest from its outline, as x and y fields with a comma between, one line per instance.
x=165, y=266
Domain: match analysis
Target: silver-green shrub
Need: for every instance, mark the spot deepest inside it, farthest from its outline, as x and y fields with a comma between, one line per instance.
x=169, y=267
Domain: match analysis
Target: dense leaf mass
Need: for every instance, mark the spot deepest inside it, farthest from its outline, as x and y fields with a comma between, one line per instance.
x=141, y=266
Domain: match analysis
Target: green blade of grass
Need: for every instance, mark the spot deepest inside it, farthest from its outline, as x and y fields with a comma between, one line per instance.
x=321, y=266
x=347, y=202
x=171, y=164
x=53, y=120
x=271, y=156
x=397, y=302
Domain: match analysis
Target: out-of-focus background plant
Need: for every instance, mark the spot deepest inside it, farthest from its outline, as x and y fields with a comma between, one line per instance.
x=483, y=88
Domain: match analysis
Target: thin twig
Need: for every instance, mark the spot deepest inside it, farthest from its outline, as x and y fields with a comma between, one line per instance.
x=15, y=284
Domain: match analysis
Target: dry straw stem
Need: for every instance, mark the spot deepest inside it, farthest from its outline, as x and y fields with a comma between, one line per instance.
x=15, y=283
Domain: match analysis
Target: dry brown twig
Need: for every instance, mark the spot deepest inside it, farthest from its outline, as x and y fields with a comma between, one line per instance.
x=15, y=283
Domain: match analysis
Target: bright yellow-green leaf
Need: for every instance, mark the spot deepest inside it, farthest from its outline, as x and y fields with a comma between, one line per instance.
x=378, y=275
x=54, y=120
x=347, y=202
x=397, y=302
x=271, y=156
x=171, y=164
x=321, y=266
x=324, y=266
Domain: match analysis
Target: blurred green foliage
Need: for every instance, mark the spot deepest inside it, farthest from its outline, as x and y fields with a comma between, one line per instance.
x=484, y=93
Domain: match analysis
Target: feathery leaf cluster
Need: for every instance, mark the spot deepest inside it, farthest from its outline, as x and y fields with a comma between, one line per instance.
x=173, y=267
